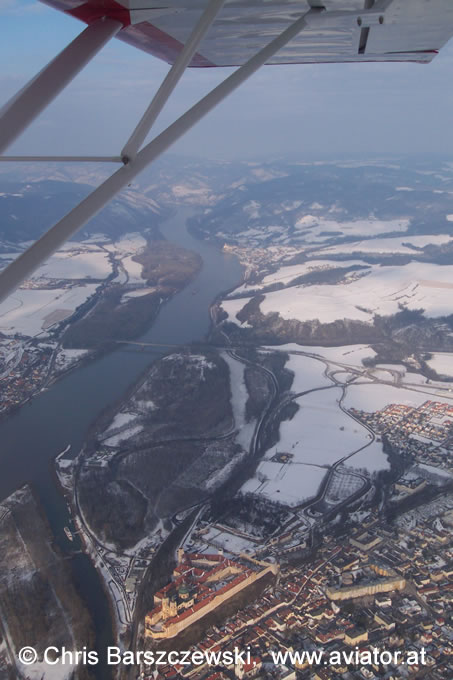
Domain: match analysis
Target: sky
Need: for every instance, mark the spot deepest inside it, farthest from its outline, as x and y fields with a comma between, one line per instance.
x=310, y=110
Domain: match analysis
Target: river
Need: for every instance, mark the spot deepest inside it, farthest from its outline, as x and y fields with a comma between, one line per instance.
x=62, y=414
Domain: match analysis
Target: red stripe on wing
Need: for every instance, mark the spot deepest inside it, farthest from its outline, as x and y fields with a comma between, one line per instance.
x=145, y=36
x=92, y=11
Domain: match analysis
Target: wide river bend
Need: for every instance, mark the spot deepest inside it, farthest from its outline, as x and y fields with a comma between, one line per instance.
x=61, y=415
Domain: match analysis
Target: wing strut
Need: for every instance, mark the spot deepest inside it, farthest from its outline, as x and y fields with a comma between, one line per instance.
x=172, y=78
x=61, y=159
x=28, y=103
x=27, y=262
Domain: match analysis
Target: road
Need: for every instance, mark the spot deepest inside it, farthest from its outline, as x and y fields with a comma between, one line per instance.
x=269, y=417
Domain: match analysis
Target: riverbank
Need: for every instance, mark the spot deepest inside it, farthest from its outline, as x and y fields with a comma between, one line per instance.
x=63, y=413
x=38, y=597
x=114, y=312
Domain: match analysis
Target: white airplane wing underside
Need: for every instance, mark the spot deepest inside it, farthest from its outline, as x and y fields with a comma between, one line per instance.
x=407, y=30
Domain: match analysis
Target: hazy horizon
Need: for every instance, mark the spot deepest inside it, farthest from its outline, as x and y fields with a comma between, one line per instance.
x=331, y=109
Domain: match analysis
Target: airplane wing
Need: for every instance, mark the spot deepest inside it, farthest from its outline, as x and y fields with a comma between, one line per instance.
x=411, y=30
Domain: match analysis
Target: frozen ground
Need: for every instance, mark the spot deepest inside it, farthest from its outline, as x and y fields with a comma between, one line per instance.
x=374, y=397
x=228, y=541
x=67, y=357
x=383, y=291
x=442, y=363
x=285, y=275
x=30, y=311
x=285, y=483
x=44, y=671
x=239, y=397
x=120, y=420
x=320, y=433
x=129, y=244
x=263, y=227
x=127, y=433
x=399, y=368
x=436, y=471
x=372, y=459
x=134, y=270
x=126, y=248
x=346, y=354
x=313, y=227
x=67, y=264
x=232, y=307
x=308, y=373
x=388, y=245
x=37, y=306
x=137, y=293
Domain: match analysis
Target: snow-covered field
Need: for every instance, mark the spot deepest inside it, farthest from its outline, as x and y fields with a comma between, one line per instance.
x=383, y=291
x=239, y=397
x=442, y=363
x=137, y=293
x=308, y=373
x=125, y=249
x=66, y=357
x=7, y=258
x=436, y=471
x=352, y=355
x=374, y=397
x=120, y=420
x=31, y=311
x=284, y=483
x=116, y=439
x=133, y=269
x=227, y=541
x=313, y=227
x=320, y=433
x=372, y=459
x=121, y=428
x=263, y=226
x=73, y=260
x=69, y=265
x=45, y=671
x=388, y=245
x=232, y=307
x=129, y=244
x=285, y=275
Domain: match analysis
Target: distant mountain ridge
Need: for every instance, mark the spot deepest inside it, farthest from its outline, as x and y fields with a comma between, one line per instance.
x=29, y=208
x=283, y=207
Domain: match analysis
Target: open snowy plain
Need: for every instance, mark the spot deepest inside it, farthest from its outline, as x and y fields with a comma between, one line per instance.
x=67, y=280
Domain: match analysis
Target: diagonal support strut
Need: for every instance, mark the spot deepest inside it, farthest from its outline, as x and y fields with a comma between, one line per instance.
x=60, y=159
x=31, y=100
x=28, y=261
x=171, y=80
